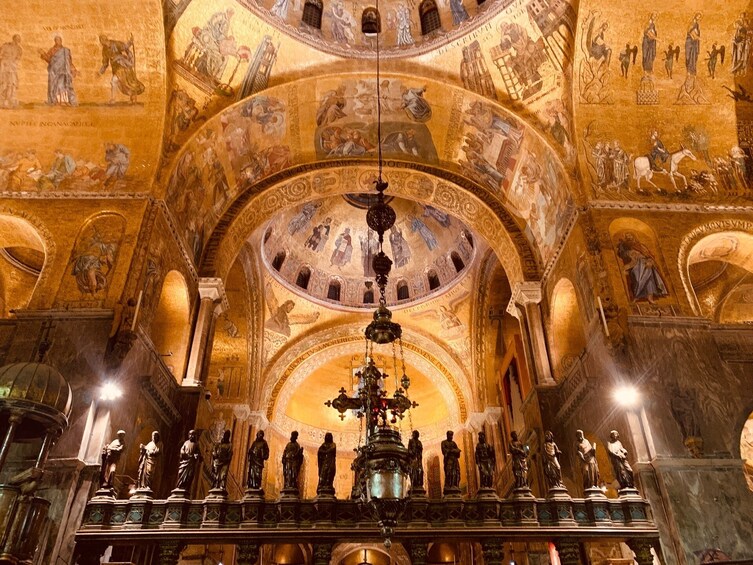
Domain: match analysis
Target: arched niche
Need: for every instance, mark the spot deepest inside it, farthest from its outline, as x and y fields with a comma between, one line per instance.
x=22, y=258
x=719, y=271
x=746, y=450
x=567, y=337
x=171, y=323
x=644, y=274
x=288, y=554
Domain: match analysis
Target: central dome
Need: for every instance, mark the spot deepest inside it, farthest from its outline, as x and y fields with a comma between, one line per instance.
x=323, y=251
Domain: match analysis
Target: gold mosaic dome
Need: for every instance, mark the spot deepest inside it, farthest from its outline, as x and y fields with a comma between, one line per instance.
x=38, y=390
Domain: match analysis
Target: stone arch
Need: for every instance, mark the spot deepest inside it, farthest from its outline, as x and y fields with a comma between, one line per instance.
x=170, y=331
x=567, y=337
x=693, y=243
x=24, y=258
x=48, y=246
x=279, y=370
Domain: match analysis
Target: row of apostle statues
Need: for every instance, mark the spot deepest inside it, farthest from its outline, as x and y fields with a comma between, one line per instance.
x=293, y=458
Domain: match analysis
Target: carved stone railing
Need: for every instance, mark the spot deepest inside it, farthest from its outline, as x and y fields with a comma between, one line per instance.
x=486, y=520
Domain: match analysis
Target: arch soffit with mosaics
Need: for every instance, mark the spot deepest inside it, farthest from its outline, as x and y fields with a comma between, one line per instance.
x=691, y=240
x=45, y=240
x=449, y=138
x=497, y=228
x=295, y=355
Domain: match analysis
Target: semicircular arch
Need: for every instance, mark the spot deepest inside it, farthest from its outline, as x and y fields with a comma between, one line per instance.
x=690, y=243
x=297, y=355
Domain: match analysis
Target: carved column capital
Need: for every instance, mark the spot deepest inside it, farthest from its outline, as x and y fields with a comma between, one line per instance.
x=475, y=421
x=322, y=553
x=528, y=292
x=642, y=550
x=569, y=552
x=169, y=552
x=417, y=553
x=247, y=553
x=494, y=553
x=514, y=310
x=214, y=289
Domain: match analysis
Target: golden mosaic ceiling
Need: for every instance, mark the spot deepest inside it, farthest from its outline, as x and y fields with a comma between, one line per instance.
x=326, y=242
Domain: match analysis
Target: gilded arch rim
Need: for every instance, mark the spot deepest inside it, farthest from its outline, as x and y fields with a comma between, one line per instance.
x=690, y=240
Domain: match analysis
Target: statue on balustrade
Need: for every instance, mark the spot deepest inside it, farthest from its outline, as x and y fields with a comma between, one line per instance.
x=326, y=458
x=258, y=453
x=486, y=460
x=618, y=456
x=110, y=457
x=519, y=453
x=222, y=455
x=148, y=460
x=552, y=468
x=588, y=464
x=416, y=466
x=451, y=454
x=292, y=460
x=188, y=461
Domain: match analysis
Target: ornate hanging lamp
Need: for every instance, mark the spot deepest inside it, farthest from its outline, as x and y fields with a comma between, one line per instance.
x=383, y=461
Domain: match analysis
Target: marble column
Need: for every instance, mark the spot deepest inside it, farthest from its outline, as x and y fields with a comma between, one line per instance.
x=525, y=305
x=14, y=420
x=213, y=303
x=49, y=440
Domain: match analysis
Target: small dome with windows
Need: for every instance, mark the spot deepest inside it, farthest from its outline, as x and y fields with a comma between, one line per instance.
x=323, y=250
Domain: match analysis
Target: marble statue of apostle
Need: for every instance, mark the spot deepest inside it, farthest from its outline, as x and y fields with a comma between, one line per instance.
x=258, y=453
x=618, y=456
x=416, y=454
x=588, y=464
x=188, y=460
x=148, y=461
x=451, y=454
x=552, y=468
x=326, y=458
x=486, y=461
x=519, y=454
x=292, y=460
x=222, y=454
x=110, y=457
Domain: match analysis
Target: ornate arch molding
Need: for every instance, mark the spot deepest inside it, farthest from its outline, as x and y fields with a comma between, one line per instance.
x=689, y=242
x=424, y=184
x=48, y=241
x=283, y=368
